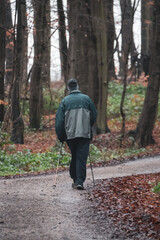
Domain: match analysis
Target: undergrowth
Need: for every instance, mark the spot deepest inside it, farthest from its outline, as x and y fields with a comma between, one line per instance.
x=156, y=188
x=25, y=161
x=12, y=163
x=133, y=100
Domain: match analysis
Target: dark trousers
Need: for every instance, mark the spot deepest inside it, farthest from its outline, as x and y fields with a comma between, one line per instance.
x=79, y=149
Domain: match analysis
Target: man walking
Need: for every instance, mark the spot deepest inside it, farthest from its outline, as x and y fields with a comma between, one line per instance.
x=74, y=120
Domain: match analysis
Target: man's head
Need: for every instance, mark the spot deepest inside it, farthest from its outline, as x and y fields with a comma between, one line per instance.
x=72, y=84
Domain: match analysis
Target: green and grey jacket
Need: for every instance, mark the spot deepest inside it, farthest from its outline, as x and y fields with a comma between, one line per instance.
x=75, y=116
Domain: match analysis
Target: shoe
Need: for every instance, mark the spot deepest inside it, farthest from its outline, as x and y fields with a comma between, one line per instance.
x=78, y=187
x=74, y=185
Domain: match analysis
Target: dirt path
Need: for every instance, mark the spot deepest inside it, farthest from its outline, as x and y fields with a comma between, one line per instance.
x=32, y=209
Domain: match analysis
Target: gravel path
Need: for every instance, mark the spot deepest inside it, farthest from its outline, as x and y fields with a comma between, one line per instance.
x=32, y=208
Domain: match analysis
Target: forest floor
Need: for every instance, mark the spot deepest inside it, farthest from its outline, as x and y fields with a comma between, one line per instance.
x=121, y=205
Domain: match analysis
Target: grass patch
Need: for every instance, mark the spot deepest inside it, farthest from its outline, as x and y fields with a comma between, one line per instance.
x=27, y=162
x=122, y=153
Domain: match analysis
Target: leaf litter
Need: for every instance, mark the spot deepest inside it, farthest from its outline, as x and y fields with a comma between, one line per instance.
x=130, y=203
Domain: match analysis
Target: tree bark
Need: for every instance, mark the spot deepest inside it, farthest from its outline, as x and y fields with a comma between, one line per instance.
x=9, y=43
x=146, y=33
x=17, y=120
x=127, y=34
x=62, y=40
x=47, y=44
x=110, y=28
x=35, y=104
x=87, y=58
x=127, y=41
x=2, y=58
x=147, y=118
x=25, y=45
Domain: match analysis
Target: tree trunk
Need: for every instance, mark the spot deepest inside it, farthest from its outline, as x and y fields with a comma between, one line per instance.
x=35, y=104
x=127, y=40
x=146, y=33
x=108, y=5
x=62, y=40
x=9, y=44
x=87, y=59
x=47, y=43
x=127, y=34
x=25, y=45
x=148, y=116
x=17, y=120
x=2, y=58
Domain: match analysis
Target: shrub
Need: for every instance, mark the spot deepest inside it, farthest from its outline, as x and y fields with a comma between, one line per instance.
x=4, y=138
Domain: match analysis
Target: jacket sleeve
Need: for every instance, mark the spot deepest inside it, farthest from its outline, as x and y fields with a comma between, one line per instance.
x=59, y=124
x=93, y=112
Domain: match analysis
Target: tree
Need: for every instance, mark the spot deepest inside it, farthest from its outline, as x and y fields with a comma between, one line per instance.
x=47, y=44
x=127, y=40
x=2, y=58
x=9, y=43
x=146, y=33
x=35, y=104
x=25, y=45
x=62, y=39
x=17, y=120
x=127, y=14
x=147, y=118
x=110, y=28
x=87, y=57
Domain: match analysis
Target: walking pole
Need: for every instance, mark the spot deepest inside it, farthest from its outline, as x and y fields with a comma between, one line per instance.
x=60, y=156
x=91, y=169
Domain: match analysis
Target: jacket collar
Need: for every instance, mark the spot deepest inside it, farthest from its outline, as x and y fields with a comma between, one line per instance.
x=74, y=91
